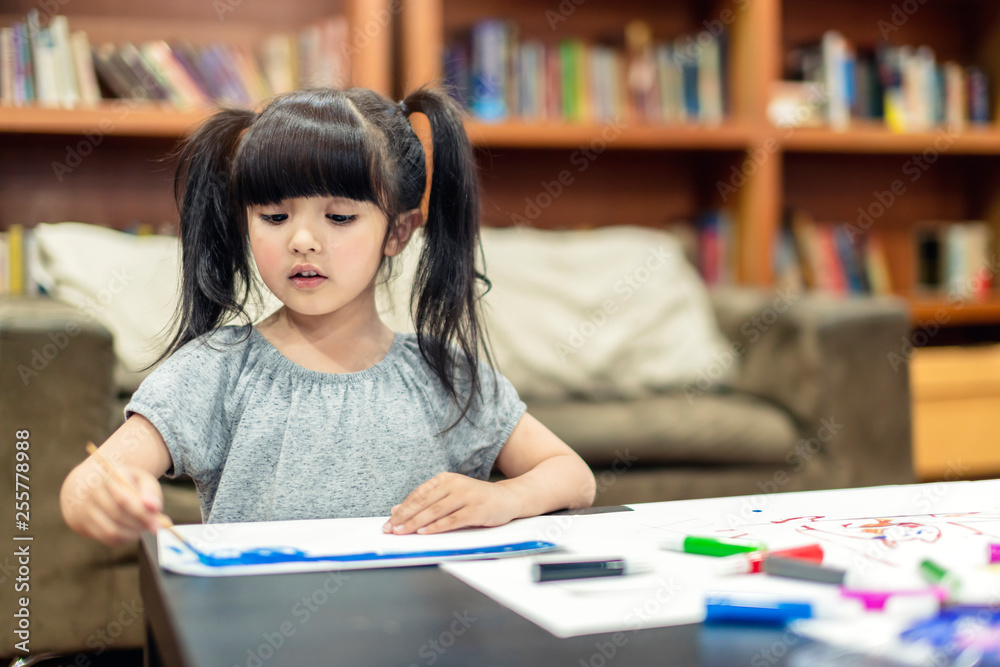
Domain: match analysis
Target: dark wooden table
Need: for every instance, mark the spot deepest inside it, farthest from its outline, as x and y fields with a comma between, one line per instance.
x=412, y=616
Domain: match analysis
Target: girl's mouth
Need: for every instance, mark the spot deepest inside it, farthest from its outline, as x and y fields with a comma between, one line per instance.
x=307, y=279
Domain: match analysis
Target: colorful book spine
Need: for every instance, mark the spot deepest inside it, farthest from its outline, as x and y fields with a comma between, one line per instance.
x=8, y=67
x=489, y=69
x=15, y=259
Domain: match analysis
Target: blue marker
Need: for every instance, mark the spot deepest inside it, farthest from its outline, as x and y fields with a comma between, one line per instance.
x=762, y=609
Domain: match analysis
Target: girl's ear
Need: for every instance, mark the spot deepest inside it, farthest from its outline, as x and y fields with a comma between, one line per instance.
x=405, y=224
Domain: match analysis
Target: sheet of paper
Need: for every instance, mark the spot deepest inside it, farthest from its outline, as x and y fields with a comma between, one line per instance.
x=333, y=537
x=671, y=595
x=890, y=527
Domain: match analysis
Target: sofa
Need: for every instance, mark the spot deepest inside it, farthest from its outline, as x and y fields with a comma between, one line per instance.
x=797, y=393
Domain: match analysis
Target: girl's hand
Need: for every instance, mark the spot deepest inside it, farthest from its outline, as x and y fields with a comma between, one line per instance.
x=451, y=500
x=114, y=513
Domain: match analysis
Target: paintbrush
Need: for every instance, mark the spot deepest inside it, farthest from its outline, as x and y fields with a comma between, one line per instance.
x=161, y=517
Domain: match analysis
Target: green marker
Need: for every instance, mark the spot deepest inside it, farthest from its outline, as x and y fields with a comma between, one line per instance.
x=935, y=574
x=710, y=546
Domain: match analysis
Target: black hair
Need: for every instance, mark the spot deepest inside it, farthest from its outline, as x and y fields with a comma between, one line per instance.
x=351, y=143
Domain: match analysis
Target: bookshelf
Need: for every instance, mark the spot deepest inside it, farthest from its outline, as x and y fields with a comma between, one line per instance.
x=653, y=174
x=122, y=176
x=647, y=174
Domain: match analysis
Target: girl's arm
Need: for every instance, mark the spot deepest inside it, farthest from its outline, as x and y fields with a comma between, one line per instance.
x=544, y=474
x=97, y=504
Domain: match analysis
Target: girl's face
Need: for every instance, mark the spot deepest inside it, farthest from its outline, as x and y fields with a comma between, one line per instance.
x=318, y=254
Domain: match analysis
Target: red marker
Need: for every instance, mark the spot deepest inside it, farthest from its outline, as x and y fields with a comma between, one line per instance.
x=754, y=562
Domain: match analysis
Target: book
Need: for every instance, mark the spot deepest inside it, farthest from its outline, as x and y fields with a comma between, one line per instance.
x=709, y=66
x=928, y=258
x=8, y=67
x=15, y=259
x=24, y=83
x=876, y=265
x=86, y=75
x=113, y=75
x=67, y=86
x=716, y=248
x=43, y=61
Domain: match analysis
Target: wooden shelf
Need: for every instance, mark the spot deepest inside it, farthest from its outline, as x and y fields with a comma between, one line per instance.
x=516, y=134
x=113, y=117
x=928, y=310
x=140, y=119
x=145, y=119
x=877, y=139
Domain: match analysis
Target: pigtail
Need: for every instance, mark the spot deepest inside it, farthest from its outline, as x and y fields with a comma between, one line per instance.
x=447, y=313
x=215, y=262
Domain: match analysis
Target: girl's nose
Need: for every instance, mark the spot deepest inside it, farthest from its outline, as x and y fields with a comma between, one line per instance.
x=304, y=241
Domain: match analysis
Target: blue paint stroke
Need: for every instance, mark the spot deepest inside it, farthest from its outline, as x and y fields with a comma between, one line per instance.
x=265, y=555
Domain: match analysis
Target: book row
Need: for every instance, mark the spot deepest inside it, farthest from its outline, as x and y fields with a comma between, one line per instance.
x=952, y=258
x=54, y=66
x=830, y=257
x=904, y=86
x=955, y=258
x=499, y=76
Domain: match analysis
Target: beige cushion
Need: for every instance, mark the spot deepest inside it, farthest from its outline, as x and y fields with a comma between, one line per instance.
x=128, y=283
x=615, y=312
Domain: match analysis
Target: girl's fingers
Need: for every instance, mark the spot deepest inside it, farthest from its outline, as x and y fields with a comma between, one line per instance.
x=109, y=501
x=460, y=518
x=420, y=499
x=149, y=491
x=434, y=512
x=133, y=510
x=108, y=532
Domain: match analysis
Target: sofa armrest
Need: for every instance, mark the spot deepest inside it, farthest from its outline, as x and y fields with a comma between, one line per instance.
x=838, y=366
x=55, y=387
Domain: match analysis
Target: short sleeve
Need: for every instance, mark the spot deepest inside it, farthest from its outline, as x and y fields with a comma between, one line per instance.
x=184, y=398
x=475, y=442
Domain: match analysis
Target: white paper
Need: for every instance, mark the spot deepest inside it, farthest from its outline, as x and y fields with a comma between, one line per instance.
x=361, y=535
x=889, y=527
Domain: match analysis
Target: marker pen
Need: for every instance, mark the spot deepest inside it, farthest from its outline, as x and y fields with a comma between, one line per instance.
x=753, y=562
x=796, y=568
x=763, y=609
x=875, y=578
x=922, y=602
x=968, y=586
x=586, y=569
x=710, y=546
x=936, y=574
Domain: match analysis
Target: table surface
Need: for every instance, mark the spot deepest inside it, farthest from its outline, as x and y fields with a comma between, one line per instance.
x=403, y=616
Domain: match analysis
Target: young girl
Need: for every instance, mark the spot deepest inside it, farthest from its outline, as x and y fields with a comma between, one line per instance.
x=321, y=410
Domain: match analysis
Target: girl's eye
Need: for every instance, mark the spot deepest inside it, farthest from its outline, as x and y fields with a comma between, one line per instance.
x=341, y=219
x=274, y=217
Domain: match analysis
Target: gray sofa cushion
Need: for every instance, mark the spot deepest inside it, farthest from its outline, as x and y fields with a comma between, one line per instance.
x=718, y=429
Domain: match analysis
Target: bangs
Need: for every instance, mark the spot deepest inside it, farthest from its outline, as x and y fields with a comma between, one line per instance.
x=307, y=148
